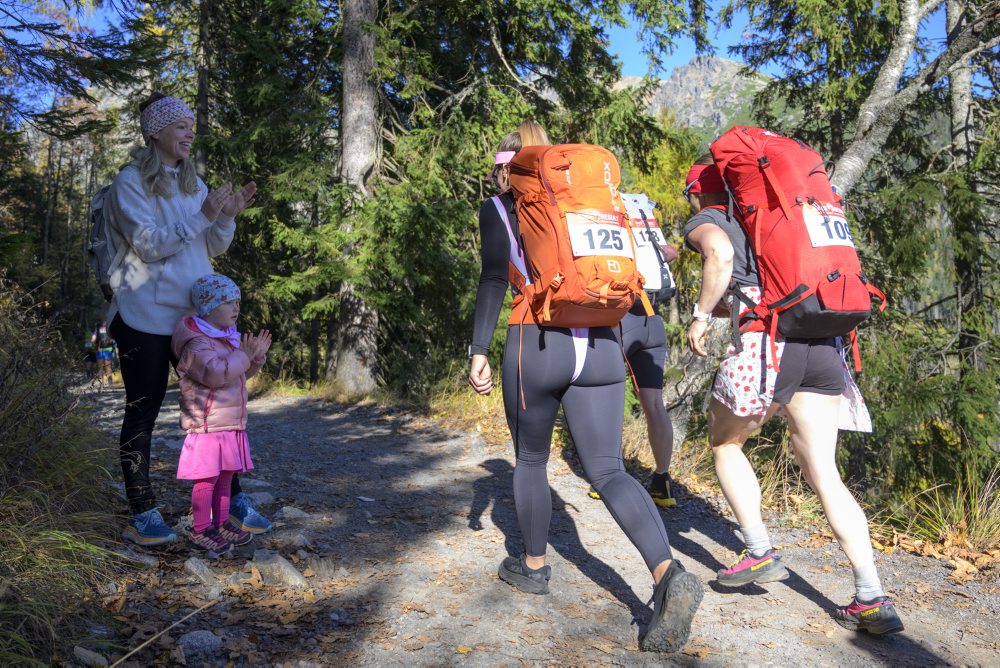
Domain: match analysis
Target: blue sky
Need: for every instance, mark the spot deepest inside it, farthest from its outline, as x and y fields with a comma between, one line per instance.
x=626, y=46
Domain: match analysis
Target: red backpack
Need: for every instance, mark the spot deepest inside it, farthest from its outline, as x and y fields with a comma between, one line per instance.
x=811, y=279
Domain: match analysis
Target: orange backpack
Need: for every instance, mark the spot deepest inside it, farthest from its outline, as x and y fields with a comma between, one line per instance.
x=575, y=236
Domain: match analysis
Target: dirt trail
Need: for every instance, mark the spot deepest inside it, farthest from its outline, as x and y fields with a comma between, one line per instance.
x=390, y=529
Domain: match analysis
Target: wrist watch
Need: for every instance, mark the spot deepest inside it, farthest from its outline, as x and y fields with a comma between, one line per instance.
x=700, y=315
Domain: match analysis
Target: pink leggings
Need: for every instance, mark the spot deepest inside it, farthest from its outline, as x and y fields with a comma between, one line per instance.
x=210, y=501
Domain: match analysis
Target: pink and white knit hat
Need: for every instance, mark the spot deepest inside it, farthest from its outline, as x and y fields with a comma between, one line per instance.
x=162, y=113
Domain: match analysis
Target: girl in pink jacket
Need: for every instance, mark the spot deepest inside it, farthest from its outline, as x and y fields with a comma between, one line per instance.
x=213, y=367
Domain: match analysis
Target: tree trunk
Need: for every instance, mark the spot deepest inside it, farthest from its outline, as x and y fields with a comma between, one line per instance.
x=960, y=91
x=353, y=349
x=201, y=102
x=887, y=103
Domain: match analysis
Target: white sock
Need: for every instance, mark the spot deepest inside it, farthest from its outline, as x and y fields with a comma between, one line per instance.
x=756, y=539
x=867, y=583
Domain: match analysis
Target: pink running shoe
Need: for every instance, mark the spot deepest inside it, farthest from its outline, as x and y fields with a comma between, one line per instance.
x=749, y=568
x=235, y=535
x=876, y=617
x=210, y=542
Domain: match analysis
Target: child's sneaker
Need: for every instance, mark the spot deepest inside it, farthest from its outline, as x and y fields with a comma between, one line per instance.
x=149, y=529
x=210, y=541
x=245, y=516
x=749, y=567
x=235, y=535
x=659, y=490
x=876, y=617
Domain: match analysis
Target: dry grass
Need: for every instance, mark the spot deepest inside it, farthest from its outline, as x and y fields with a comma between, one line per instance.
x=54, y=498
x=966, y=512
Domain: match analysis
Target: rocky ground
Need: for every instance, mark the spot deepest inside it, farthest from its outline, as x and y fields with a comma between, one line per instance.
x=388, y=533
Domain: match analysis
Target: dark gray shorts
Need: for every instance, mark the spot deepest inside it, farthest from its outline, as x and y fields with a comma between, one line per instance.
x=645, y=343
x=809, y=365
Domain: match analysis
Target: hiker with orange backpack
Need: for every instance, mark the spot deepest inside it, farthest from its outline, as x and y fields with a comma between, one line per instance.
x=763, y=371
x=561, y=350
x=644, y=341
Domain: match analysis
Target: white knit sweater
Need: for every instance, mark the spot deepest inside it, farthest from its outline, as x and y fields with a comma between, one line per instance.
x=163, y=246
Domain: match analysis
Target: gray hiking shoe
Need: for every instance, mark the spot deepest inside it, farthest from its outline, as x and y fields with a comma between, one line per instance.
x=515, y=572
x=675, y=600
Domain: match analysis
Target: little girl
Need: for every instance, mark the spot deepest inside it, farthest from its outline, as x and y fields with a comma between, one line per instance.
x=213, y=367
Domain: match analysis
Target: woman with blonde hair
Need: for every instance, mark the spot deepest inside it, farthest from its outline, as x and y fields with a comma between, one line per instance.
x=166, y=225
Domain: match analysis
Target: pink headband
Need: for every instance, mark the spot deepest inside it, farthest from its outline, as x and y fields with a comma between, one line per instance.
x=503, y=157
x=162, y=113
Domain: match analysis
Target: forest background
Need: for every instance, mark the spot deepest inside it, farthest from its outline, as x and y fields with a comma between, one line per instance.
x=369, y=127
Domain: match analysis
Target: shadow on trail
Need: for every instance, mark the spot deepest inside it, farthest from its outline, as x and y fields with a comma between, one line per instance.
x=563, y=535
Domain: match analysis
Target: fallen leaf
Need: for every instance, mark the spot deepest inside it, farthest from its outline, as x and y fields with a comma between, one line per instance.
x=463, y=649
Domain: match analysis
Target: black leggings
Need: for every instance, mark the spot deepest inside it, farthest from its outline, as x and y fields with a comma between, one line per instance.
x=594, y=404
x=145, y=364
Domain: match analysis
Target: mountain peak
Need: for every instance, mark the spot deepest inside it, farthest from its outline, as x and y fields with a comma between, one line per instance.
x=707, y=94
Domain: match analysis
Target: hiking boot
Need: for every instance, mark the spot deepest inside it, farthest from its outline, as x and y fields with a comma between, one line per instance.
x=209, y=541
x=149, y=529
x=749, y=567
x=659, y=490
x=245, y=516
x=515, y=572
x=235, y=535
x=876, y=617
x=593, y=493
x=675, y=600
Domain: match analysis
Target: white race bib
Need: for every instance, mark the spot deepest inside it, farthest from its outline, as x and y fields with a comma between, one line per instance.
x=598, y=234
x=647, y=260
x=827, y=225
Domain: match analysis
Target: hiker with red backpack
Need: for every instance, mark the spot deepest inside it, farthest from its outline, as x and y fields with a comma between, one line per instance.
x=748, y=253
x=557, y=235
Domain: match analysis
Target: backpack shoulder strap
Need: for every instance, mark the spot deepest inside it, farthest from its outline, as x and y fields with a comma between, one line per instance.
x=516, y=252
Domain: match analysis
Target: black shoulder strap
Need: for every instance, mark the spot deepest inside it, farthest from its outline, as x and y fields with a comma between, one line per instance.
x=656, y=246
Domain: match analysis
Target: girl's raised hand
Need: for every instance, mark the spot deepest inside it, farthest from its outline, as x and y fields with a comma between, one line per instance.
x=240, y=200
x=215, y=200
x=264, y=341
x=251, y=346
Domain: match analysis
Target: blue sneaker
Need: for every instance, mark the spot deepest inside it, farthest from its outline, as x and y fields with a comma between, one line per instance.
x=245, y=516
x=149, y=529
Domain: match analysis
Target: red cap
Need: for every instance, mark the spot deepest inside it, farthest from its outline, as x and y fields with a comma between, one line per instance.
x=704, y=179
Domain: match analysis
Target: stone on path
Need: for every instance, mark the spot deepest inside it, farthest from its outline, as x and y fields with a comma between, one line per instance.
x=88, y=657
x=275, y=569
x=291, y=513
x=199, y=570
x=253, y=483
x=260, y=498
x=199, y=645
x=138, y=557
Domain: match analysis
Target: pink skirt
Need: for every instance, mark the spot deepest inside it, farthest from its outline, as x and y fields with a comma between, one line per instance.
x=205, y=455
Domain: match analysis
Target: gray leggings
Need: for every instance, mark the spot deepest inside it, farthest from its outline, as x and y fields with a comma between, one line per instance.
x=594, y=404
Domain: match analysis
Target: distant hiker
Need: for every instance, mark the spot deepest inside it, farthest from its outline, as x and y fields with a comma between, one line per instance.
x=644, y=341
x=105, y=352
x=166, y=225
x=812, y=377
x=579, y=368
x=213, y=367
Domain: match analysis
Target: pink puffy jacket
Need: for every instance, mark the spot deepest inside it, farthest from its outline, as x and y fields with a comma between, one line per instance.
x=213, y=380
